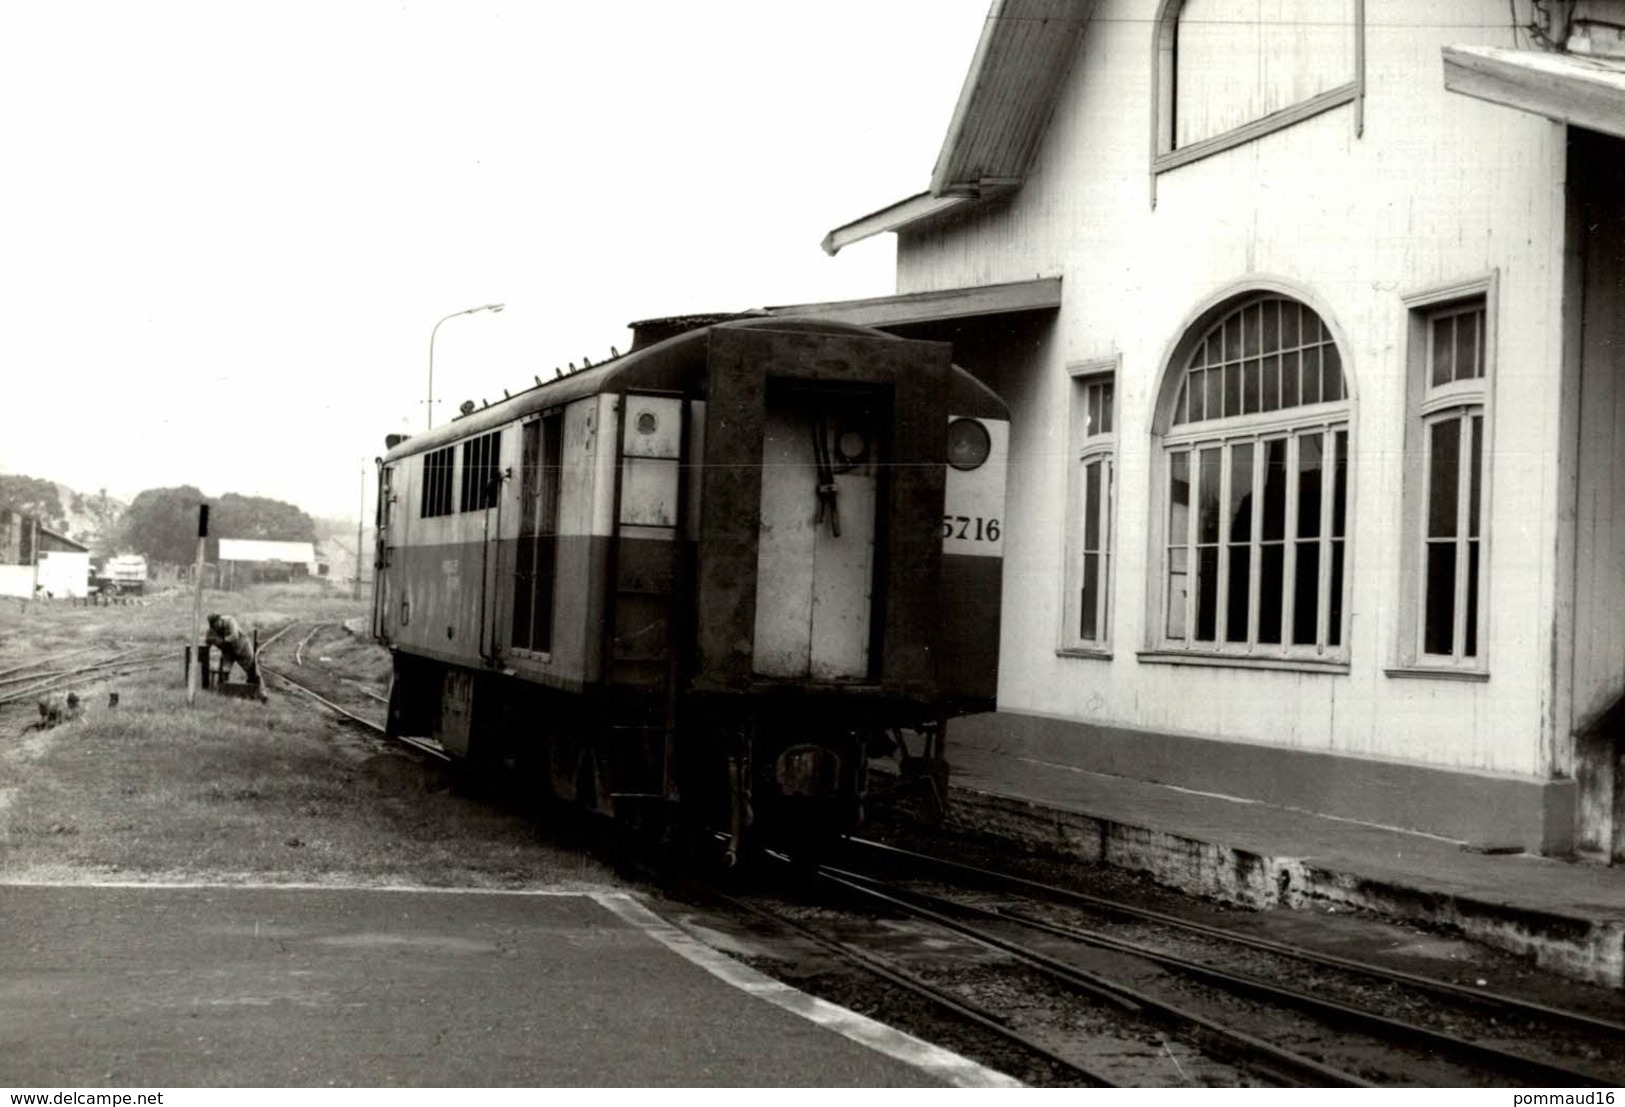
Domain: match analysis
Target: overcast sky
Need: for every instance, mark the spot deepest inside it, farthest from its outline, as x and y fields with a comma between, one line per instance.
x=228, y=229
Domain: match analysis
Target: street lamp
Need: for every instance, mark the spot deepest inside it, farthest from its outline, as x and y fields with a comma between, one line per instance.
x=453, y=315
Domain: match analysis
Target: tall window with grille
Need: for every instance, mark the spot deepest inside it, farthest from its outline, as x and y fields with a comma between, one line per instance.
x=437, y=471
x=1254, y=511
x=1086, y=610
x=482, y=469
x=535, y=569
x=1450, y=426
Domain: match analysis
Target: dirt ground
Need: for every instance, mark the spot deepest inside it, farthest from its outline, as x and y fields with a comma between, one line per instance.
x=154, y=789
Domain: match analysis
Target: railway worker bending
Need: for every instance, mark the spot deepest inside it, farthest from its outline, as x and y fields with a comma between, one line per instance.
x=234, y=645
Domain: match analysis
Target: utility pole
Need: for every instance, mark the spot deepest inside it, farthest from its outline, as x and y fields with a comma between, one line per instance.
x=194, y=671
x=33, y=548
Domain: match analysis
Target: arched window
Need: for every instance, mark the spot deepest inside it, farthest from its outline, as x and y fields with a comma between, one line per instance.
x=1253, y=511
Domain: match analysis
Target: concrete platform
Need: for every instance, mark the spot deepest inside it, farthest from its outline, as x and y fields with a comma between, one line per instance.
x=1568, y=916
x=152, y=986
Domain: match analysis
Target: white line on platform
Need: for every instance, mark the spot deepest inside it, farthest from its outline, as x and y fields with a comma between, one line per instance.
x=961, y=1072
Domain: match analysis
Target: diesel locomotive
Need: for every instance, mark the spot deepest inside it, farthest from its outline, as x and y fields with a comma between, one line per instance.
x=710, y=578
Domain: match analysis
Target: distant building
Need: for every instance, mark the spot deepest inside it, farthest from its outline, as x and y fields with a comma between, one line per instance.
x=246, y=561
x=34, y=559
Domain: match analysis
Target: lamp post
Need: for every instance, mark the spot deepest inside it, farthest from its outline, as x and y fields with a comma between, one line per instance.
x=453, y=315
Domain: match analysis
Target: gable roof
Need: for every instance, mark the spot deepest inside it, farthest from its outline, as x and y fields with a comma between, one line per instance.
x=1009, y=94
x=51, y=540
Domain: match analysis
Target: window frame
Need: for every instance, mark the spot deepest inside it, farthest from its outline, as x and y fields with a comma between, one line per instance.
x=479, y=485
x=1166, y=156
x=1325, y=418
x=437, y=497
x=1092, y=378
x=1427, y=406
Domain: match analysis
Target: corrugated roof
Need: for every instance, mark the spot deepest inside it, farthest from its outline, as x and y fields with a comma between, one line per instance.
x=1009, y=94
x=1021, y=60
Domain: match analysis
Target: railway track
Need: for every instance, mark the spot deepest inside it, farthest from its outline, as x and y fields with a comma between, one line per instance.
x=49, y=682
x=8, y=676
x=1570, y=1020
x=1349, y=1024
x=955, y=1006
x=325, y=690
x=1100, y=1024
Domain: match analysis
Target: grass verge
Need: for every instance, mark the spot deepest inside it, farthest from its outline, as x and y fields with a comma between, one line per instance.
x=231, y=790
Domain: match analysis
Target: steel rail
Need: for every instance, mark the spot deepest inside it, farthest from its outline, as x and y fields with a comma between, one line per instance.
x=265, y=645
x=299, y=650
x=44, y=674
x=1479, y=997
x=49, y=682
x=45, y=661
x=422, y=747
x=1395, y=1030
x=962, y=1008
x=120, y=668
x=364, y=690
x=1277, y=1060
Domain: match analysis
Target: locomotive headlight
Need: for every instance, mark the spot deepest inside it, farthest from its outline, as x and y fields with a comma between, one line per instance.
x=851, y=445
x=968, y=444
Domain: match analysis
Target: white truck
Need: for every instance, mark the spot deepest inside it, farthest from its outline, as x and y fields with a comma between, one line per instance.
x=125, y=574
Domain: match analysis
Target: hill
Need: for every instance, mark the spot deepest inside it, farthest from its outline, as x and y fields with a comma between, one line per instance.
x=91, y=518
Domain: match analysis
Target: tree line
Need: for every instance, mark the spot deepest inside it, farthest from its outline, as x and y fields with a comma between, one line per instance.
x=160, y=523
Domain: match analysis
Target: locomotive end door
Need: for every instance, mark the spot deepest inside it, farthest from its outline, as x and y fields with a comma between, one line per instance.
x=873, y=611
x=816, y=539
x=387, y=523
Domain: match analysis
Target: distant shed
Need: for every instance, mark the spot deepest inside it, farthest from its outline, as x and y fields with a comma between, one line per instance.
x=63, y=565
x=250, y=560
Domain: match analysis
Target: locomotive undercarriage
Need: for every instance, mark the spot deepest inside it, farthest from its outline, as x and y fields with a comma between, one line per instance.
x=788, y=768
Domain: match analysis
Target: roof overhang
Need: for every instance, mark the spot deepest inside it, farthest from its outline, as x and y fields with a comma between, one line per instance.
x=1015, y=77
x=931, y=307
x=914, y=211
x=1586, y=92
x=58, y=536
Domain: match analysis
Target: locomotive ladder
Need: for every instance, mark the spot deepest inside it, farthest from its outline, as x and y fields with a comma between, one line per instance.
x=646, y=628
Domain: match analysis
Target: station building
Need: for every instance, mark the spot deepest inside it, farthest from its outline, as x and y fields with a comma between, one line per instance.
x=1311, y=315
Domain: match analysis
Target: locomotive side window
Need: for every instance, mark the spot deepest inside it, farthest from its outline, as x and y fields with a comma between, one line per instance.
x=481, y=457
x=541, y=463
x=437, y=483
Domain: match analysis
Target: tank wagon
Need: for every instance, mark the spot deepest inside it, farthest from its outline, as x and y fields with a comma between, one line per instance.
x=711, y=577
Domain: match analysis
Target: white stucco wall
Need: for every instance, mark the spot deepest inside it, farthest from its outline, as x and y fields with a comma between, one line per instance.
x=63, y=574
x=1439, y=188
